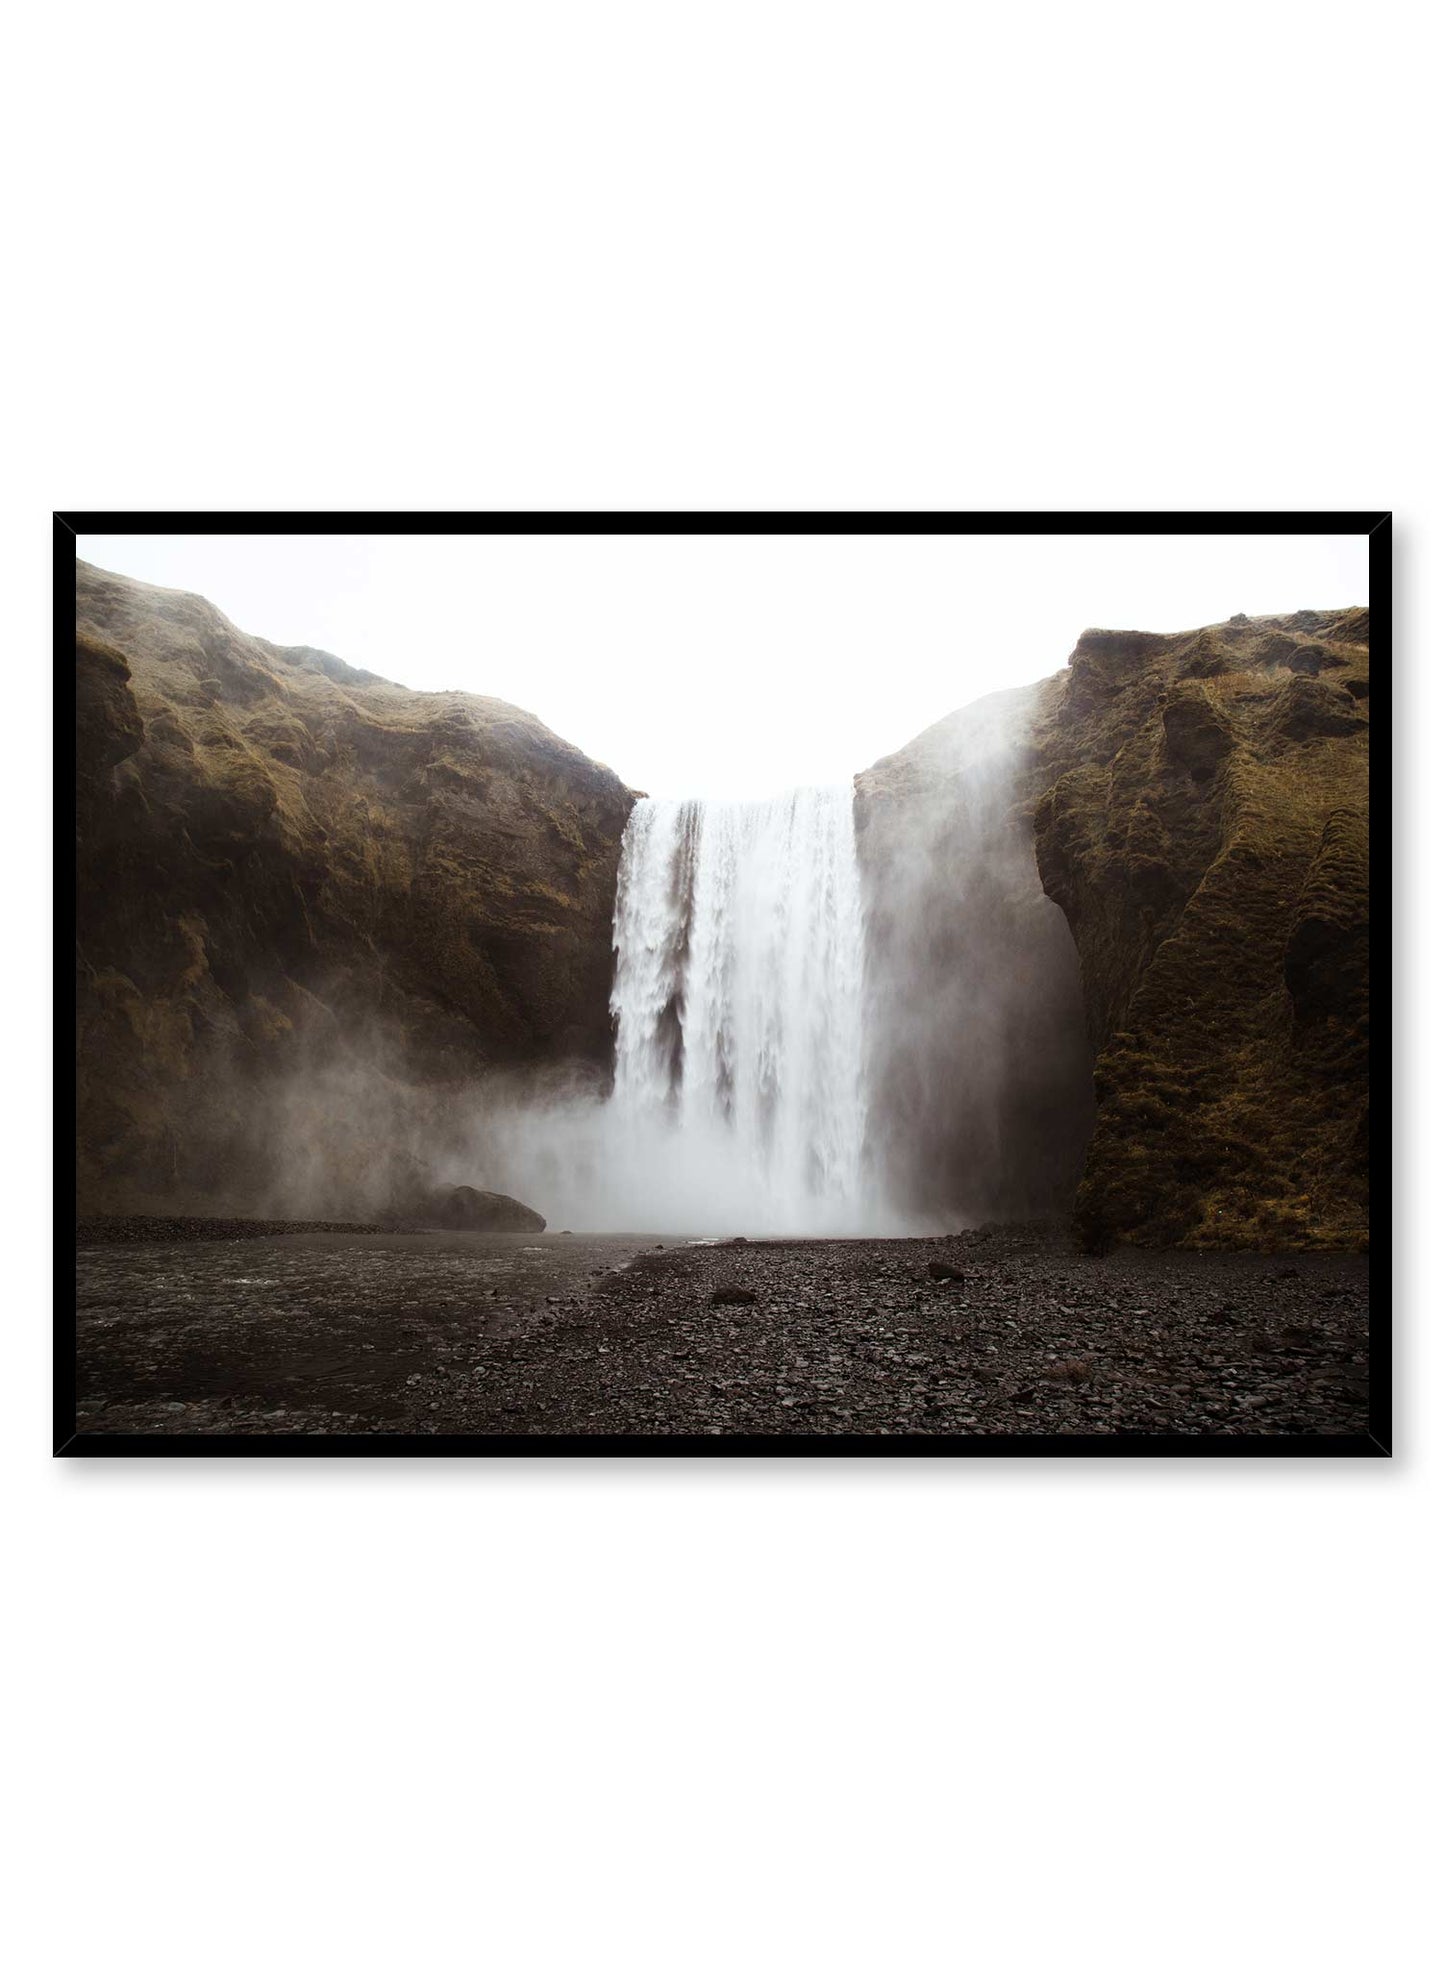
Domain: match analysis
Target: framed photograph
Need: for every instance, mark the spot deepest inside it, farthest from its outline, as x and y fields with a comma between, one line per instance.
x=654, y=984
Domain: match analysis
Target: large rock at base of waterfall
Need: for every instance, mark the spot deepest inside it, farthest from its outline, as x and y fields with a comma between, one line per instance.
x=310, y=903
x=1202, y=822
x=466, y=1209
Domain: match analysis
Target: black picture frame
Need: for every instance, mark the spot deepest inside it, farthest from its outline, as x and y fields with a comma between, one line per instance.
x=1376, y=1442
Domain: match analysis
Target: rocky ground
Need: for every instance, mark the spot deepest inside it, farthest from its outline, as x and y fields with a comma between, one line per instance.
x=987, y=1333
x=196, y=1230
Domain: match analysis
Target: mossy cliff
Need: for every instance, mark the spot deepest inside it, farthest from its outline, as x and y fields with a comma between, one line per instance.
x=1196, y=806
x=1201, y=819
x=286, y=867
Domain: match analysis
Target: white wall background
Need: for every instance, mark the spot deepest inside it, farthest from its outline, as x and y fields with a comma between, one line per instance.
x=788, y=256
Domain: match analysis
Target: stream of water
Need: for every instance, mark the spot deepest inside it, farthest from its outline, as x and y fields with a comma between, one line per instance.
x=738, y=1000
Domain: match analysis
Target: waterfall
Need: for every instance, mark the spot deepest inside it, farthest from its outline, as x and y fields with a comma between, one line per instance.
x=738, y=1003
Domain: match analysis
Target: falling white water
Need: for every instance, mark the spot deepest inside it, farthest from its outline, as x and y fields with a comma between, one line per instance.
x=739, y=1097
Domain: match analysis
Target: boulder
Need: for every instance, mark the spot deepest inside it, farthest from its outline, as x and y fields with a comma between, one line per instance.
x=466, y=1209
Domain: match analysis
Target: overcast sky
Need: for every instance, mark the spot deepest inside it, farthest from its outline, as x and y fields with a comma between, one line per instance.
x=721, y=665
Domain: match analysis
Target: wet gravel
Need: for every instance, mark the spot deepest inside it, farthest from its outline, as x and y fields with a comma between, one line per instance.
x=988, y=1333
x=192, y=1230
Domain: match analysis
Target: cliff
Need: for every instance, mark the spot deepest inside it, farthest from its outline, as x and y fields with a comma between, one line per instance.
x=1150, y=870
x=303, y=893
x=1202, y=821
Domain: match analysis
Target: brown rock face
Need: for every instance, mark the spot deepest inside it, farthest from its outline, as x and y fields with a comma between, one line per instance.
x=979, y=1093
x=1202, y=821
x=293, y=876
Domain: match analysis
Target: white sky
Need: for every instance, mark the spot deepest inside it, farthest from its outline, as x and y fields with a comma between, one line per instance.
x=719, y=665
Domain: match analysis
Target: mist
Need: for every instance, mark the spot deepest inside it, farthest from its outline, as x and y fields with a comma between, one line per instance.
x=978, y=1062
x=849, y=1011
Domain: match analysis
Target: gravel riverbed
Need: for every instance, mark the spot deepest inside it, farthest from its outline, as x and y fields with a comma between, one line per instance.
x=994, y=1332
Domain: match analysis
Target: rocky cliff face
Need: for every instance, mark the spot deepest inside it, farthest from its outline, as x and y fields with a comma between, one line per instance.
x=1202, y=822
x=305, y=893
x=1154, y=865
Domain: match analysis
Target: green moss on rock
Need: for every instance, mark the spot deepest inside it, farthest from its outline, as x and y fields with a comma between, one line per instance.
x=282, y=858
x=1202, y=820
